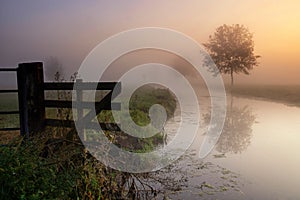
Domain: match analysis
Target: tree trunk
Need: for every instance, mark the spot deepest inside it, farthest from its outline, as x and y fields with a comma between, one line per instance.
x=231, y=74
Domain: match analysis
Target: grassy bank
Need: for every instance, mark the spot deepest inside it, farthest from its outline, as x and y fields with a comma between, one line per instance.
x=55, y=168
x=289, y=95
x=50, y=165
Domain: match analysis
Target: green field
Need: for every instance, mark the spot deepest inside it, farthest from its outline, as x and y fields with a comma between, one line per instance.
x=9, y=102
x=289, y=94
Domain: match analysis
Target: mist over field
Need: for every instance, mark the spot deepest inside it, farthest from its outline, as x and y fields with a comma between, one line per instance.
x=69, y=30
x=239, y=140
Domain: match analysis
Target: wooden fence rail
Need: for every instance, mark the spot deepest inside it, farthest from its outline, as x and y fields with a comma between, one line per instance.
x=32, y=102
x=8, y=69
x=7, y=91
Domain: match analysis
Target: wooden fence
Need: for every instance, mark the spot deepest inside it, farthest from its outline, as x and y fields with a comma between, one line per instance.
x=32, y=102
x=9, y=91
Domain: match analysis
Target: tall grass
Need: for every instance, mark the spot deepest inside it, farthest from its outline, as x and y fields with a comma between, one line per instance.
x=53, y=165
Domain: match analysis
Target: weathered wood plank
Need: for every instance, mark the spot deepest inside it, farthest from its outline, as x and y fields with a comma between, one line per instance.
x=8, y=91
x=30, y=79
x=9, y=112
x=10, y=129
x=8, y=69
x=105, y=102
x=90, y=125
x=82, y=86
x=84, y=105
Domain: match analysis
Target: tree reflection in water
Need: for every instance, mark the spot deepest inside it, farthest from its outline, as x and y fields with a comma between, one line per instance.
x=237, y=130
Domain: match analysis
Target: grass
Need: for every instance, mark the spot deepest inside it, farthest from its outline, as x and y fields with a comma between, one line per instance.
x=51, y=166
x=139, y=105
x=7, y=136
x=55, y=168
x=289, y=95
x=9, y=102
x=144, y=97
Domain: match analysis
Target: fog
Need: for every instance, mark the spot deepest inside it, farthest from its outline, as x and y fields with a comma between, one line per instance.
x=69, y=30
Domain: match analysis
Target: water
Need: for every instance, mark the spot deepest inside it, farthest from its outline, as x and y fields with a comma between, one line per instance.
x=257, y=155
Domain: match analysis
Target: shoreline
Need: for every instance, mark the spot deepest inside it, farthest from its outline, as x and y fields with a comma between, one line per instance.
x=287, y=95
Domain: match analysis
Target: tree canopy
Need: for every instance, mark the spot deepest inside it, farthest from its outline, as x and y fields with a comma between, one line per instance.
x=231, y=47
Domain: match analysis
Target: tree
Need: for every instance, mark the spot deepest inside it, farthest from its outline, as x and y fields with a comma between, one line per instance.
x=231, y=48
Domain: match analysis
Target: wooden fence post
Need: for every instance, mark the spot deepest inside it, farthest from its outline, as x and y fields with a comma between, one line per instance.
x=30, y=78
x=79, y=94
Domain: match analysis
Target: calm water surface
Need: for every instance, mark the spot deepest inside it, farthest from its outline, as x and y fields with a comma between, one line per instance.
x=257, y=155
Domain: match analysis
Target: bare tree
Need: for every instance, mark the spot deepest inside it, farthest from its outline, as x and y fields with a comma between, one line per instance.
x=231, y=47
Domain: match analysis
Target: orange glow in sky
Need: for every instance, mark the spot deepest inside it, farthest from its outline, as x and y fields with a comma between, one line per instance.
x=68, y=30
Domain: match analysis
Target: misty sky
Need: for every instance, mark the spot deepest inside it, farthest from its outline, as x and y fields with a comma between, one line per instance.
x=68, y=30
